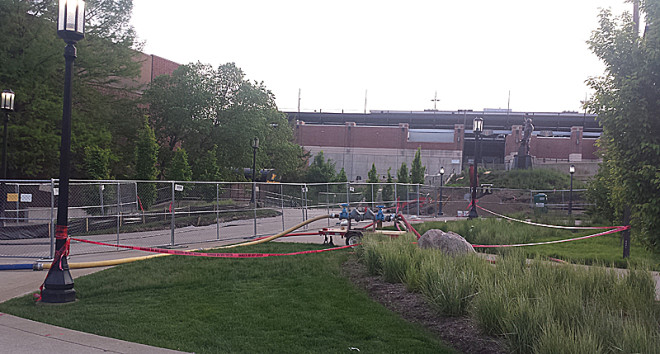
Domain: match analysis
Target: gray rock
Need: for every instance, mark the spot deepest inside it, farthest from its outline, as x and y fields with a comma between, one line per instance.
x=449, y=243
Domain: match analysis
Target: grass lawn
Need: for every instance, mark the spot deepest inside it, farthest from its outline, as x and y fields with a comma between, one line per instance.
x=295, y=304
x=606, y=250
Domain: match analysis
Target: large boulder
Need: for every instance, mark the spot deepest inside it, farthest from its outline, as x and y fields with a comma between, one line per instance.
x=449, y=243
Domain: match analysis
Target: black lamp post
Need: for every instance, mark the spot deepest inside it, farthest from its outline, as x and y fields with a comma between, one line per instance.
x=7, y=105
x=58, y=286
x=571, y=170
x=255, y=146
x=442, y=173
x=477, y=128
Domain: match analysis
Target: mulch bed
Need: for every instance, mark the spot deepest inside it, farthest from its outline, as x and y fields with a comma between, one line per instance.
x=461, y=333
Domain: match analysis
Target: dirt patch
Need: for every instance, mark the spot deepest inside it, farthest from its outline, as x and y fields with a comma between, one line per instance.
x=460, y=333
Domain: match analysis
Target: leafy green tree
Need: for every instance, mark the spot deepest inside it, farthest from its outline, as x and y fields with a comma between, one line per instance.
x=627, y=101
x=388, y=189
x=206, y=168
x=97, y=162
x=416, y=169
x=402, y=174
x=32, y=66
x=402, y=177
x=341, y=176
x=372, y=189
x=198, y=106
x=320, y=171
x=372, y=175
x=179, y=168
x=146, y=155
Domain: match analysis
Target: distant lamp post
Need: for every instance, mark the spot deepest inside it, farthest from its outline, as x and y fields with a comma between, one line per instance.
x=477, y=128
x=442, y=175
x=58, y=286
x=7, y=105
x=571, y=170
x=255, y=146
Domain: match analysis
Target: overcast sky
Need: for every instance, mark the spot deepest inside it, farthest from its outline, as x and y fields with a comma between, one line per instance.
x=401, y=52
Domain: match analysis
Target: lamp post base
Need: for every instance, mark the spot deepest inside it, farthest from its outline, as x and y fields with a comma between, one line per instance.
x=473, y=213
x=58, y=296
x=58, y=286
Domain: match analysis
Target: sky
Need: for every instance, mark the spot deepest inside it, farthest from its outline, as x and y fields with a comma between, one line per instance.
x=526, y=55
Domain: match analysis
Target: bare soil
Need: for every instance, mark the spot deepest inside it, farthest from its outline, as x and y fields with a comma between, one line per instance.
x=461, y=333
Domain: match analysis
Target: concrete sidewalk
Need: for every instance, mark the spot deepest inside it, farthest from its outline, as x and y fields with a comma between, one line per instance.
x=18, y=335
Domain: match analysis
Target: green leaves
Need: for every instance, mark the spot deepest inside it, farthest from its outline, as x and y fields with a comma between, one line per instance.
x=198, y=107
x=627, y=101
x=320, y=171
x=32, y=64
x=416, y=169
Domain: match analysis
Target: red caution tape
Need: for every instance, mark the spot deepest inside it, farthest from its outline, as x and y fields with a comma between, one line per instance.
x=60, y=254
x=215, y=255
x=61, y=231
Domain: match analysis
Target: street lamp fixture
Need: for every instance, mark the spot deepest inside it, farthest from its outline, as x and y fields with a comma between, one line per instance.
x=58, y=286
x=477, y=128
x=7, y=105
x=442, y=175
x=571, y=170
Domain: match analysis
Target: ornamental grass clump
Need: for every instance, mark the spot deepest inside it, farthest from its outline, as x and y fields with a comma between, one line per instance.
x=539, y=307
x=450, y=283
x=547, y=308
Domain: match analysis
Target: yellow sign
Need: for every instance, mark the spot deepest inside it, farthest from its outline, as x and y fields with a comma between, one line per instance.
x=12, y=197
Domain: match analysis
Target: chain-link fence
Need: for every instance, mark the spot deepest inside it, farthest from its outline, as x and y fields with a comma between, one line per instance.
x=170, y=214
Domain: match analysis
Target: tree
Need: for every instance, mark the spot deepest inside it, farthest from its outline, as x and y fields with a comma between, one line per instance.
x=146, y=155
x=417, y=170
x=402, y=174
x=32, y=66
x=341, y=177
x=320, y=171
x=179, y=168
x=372, y=189
x=388, y=190
x=627, y=101
x=199, y=106
x=372, y=175
x=402, y=177
x=97, y=162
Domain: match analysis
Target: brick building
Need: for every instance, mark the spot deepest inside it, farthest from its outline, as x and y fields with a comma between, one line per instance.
x=389, y=138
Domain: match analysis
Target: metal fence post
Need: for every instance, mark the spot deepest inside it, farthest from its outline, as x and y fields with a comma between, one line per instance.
x=396, y=198
x=418, y=201
x=217, y=211
x=626, y=233
x=118, y=212
x=373, y=201
x=306, y=204
x=101, y=199
x=282, y=202
x=18, y=205
x=172, y=224
x=348, y=196
x=327, y=201
x=254, y=186
x=52, y=218
x=302, y=201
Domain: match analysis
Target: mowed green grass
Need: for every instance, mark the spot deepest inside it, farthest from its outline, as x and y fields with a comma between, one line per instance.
x=293, y=304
